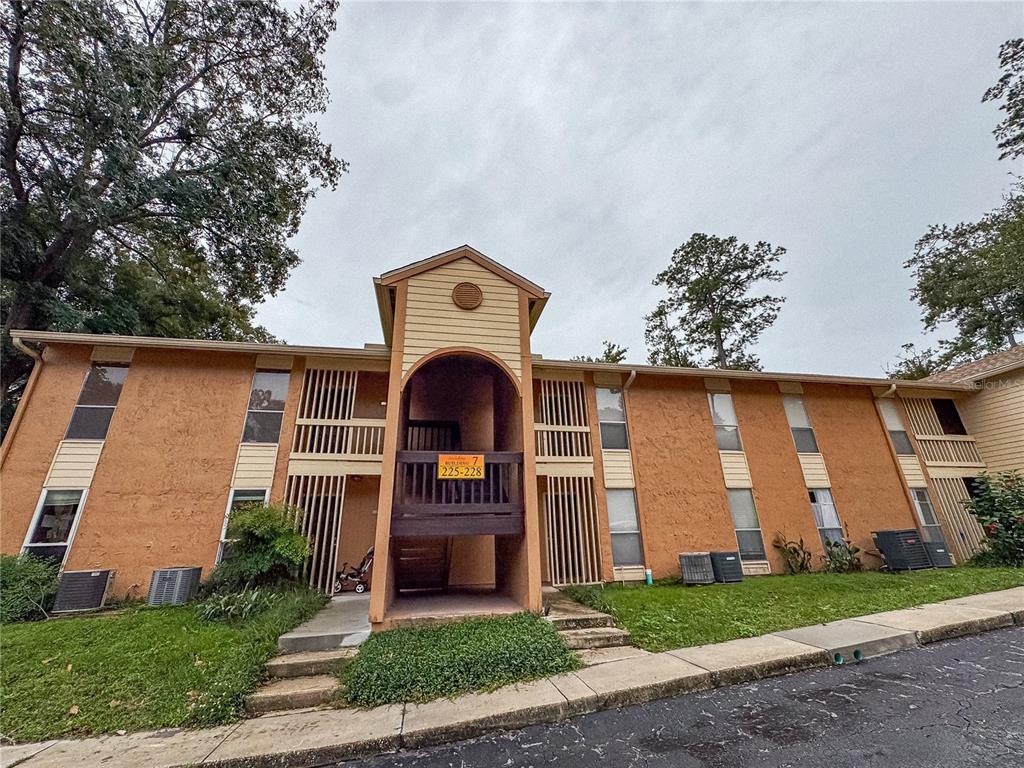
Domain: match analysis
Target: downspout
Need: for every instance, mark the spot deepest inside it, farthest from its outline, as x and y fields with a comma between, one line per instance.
x=37, y=364
x=629, y=381
x=889, y=392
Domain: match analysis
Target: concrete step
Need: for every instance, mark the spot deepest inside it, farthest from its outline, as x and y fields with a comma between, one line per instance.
x=292, y=693
x=580, y=621
x=596, y=637
x=308, y=663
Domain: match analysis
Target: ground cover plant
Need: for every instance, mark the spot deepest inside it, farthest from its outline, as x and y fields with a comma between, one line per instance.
x=669, y=615
x=139, y=669
x=427, y=663
x=28, y=585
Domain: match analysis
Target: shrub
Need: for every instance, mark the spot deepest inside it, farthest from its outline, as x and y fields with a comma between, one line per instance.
x=237, y=606
x=431, y=662
x=841, y=557
x=28, y=585
x=265, y=548
x=998, y=505
x=795, y=554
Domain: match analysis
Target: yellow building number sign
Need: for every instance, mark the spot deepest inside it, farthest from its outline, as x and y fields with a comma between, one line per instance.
x=460, y=466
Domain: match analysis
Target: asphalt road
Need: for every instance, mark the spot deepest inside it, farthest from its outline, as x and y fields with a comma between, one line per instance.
x=958, y=703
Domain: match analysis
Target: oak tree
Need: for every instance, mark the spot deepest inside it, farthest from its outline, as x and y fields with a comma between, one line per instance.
x=156, y=157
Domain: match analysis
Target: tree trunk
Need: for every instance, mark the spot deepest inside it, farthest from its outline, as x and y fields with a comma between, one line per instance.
x=720, y=350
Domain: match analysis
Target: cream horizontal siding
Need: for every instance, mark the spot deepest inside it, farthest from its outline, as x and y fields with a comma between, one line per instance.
x=912, y=472
x=618, y=469
x=629, y=573
x=564, y=466
x=756, y=568
x=995, y=417
x=323, y=466
x=815, y=474
x=254, y=466
x=432, y=321
x=74, y=464
x=735, y=469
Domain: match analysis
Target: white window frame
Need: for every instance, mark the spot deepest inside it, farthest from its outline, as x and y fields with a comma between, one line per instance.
x=831, y=503
x=111, y=408
x=248, y=410
x=227, y=515
x=27, y=546
x=894, y=426
x=736, y=420
x=760, y=532
x=926, y=527
x=794, y=427
x=637, y=532
x=624, y=422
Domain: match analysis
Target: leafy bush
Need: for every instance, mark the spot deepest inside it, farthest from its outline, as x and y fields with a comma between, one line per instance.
x=431, y=662
x=28, y=585
x=265, y=548
x=841, y=557
x=998, y=504
x=794, y=553
x=237, y=606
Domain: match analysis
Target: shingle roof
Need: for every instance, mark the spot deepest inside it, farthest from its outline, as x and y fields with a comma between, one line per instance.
x=1007, y=360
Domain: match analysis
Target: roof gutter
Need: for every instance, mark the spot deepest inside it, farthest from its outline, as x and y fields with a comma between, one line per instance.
x=19, y=412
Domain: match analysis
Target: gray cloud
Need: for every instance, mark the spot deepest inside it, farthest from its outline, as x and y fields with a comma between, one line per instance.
x=579, y=144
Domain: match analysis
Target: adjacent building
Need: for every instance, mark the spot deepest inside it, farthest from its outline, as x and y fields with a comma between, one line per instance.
x=477, y=469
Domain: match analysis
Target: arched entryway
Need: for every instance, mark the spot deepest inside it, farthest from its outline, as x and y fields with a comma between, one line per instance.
x=457, y=518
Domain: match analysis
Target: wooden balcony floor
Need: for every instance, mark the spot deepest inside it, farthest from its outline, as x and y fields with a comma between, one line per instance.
x=419, y=610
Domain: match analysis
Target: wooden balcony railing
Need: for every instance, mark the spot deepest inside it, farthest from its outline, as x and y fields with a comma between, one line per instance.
x=425, y=505
x=950, y=449
x=562, y=442
x=341, y=438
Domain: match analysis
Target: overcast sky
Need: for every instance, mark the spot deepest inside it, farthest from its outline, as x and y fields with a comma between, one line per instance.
x=580, y=144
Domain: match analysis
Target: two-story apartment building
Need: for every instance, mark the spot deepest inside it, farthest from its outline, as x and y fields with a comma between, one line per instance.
x=472, y=465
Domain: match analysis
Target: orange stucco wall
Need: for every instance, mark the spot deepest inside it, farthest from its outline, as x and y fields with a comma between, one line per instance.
x=866, y=484
x=680, y=488
x=160, y=490
x=42, y=427
x=780, y=493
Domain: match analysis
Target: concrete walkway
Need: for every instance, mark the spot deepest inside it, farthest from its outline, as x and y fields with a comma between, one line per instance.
x=323, y=736
x=342, y=622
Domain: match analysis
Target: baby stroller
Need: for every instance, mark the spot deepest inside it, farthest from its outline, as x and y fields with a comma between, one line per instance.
x=354, y=575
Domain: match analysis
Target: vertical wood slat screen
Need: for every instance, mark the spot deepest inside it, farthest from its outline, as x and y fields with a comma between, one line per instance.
x=320, y=497
x=328, y=395
x=563, y=404
x=573, y=549
x=923, y=419
x=966, y=536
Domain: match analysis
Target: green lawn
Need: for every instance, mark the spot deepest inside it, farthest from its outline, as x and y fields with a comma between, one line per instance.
x=433, y=662
x=144, y=668
x=669, y=615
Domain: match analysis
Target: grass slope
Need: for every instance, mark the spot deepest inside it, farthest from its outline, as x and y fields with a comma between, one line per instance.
x=432, y=662
x=669, y=615
x=145, y=668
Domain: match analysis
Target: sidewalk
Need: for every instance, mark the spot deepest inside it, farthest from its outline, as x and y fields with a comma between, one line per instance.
x=316, y=737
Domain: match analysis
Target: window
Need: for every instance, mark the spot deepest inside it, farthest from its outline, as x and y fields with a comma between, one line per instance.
x=893, y=423
x=825, y=515
x=54, y=525
x=239, y=498
x=627, y=547
x=266, y=407
x=931, y=530
x=748, y=527
x=727, y=431
x=949, y=417
x=799, y=424
x=611, y=413
x=96, y=402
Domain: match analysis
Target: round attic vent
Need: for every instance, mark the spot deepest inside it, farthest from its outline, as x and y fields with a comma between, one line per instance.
x=467, y=295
